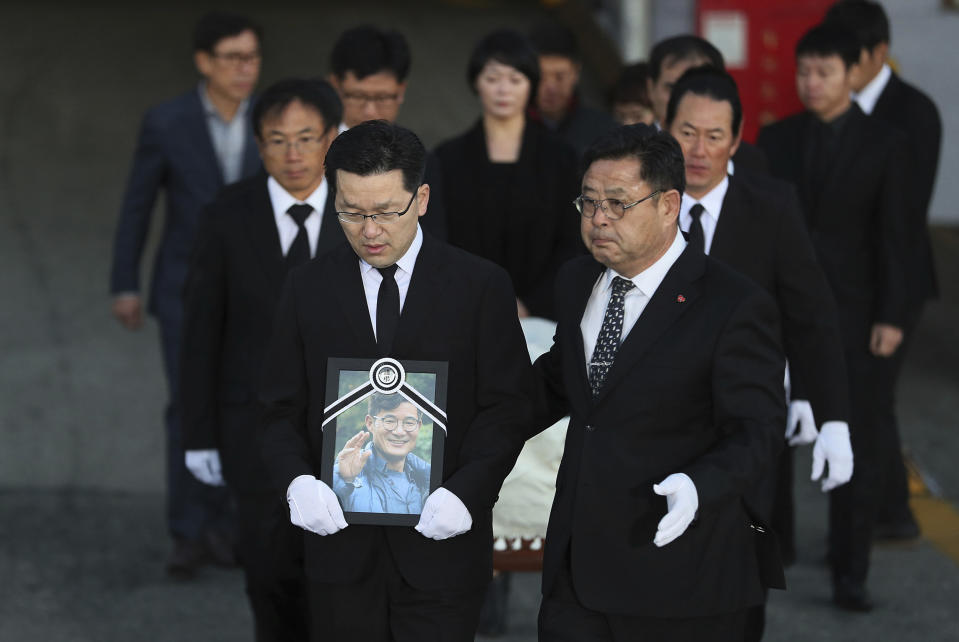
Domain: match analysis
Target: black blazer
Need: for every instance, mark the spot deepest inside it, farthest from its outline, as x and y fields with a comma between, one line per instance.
x=913, y=113
x=460, y=309
x=236, y=275
x=696, y=387
x=529, y=230
x=760, y=233
x=856, y=221
x=175, y=153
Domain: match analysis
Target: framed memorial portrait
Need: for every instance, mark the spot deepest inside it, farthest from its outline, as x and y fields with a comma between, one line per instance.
x=384, y=433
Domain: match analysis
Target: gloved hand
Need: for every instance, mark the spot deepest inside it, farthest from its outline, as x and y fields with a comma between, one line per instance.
x=444, y=516
x=800, y=424
x=314, y=506
x=682, y=501
x=832, y=446
x=205, y=466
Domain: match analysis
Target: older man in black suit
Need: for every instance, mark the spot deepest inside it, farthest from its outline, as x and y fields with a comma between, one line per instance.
x=851, y=181
x=670, y=367
x=253, y=234
x=880, y=92
x=396, y=292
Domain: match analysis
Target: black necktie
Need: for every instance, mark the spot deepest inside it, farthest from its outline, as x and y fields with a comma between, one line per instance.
x=300, y=250
x=387, y=309
x=696, y=227
x=610, y=335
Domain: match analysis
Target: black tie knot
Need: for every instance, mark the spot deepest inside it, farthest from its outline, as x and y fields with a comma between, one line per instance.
x=387, y=272
x=621, y=286
x=696, y=211
x=300, y=212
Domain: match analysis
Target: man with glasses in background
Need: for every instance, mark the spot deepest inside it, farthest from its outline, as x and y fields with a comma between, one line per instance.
x=252, y=235
x=189, y=147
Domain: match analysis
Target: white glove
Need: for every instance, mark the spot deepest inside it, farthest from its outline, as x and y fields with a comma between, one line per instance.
x=205, y=466
x=682, y=501
x=314, y=506
x=800, y=424
x=444, y=516
x=832, y=446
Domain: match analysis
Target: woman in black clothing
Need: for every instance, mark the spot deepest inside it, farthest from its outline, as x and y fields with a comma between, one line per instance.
x=508, y=185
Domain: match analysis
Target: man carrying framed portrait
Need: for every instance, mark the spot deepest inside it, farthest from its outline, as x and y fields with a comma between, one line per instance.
x=377, y=345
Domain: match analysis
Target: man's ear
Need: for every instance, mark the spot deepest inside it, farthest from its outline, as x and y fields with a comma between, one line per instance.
x=669, y=205
x=423, y=199
x=738, y=138
x=334, y=80
x=204, y=63
x=401, y=93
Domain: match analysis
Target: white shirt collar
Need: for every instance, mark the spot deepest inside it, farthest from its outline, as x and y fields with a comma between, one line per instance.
x=282, y=200
x=408, y=260
x=712, y=201
x=210, y=109
x=649, y=279
x=869, y=96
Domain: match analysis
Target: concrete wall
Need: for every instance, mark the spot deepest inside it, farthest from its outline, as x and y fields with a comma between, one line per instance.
x=81, y=400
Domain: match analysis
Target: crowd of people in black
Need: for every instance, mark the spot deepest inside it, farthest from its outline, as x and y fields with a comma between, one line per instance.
x=688, y=271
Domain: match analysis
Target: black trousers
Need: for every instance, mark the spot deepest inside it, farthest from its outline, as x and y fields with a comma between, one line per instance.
x=270, y=550
x=563, y=618
x=853, y=507
x=894, y=507
x=383, y=607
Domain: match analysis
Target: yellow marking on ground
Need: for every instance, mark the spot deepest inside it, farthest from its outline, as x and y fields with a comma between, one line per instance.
x=938, y=519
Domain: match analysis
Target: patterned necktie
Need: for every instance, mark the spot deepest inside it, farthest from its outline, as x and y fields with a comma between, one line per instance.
x=695, y=227
x=387, y=309
x=300, y=250
x=610, y=335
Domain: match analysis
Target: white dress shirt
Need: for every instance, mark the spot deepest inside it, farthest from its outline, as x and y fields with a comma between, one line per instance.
x=634, y=302
x=712, y=204
x=869, y=96
x=404, y=272
x=285, y=225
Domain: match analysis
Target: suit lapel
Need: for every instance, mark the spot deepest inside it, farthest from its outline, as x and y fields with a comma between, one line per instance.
x=263, y=235
x=196, y=130
x=729, y=223
x=427, y=286
x=331, y=234
x=676, y=294
x=575, y=347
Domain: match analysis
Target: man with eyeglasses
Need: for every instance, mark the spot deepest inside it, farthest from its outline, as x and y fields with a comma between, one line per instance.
x=251, y=236
x=188, y=147
x=384, y=475
x=670, y=368
x=369, y=69
x=395, y=291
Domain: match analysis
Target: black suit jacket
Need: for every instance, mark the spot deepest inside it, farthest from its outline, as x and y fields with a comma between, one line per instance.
x=236, y=275
x=913, y=113
x=175, y=153
x=760, y=233
x=855, y=220
x=459, y=309
x=696, y=387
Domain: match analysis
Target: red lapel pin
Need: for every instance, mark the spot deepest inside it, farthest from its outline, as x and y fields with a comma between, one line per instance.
x=680, y=298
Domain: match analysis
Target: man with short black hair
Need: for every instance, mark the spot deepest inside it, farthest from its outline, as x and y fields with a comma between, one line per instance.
x=881, y=93
x=252, y=235
x=396, y=292
x=756, y=227
x=670, y=367
x=558, y=103
x=368, y=69
x=188, y=147
x=670, y=59
x=849, y=173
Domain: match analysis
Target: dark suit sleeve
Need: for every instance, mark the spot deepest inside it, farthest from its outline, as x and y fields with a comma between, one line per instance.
x=503, y=376
x=748, y=402
x=284, y=394
x=810, y=320
x=890, y=236
x=203, y=335
x=924, y=125
x=146, y=176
